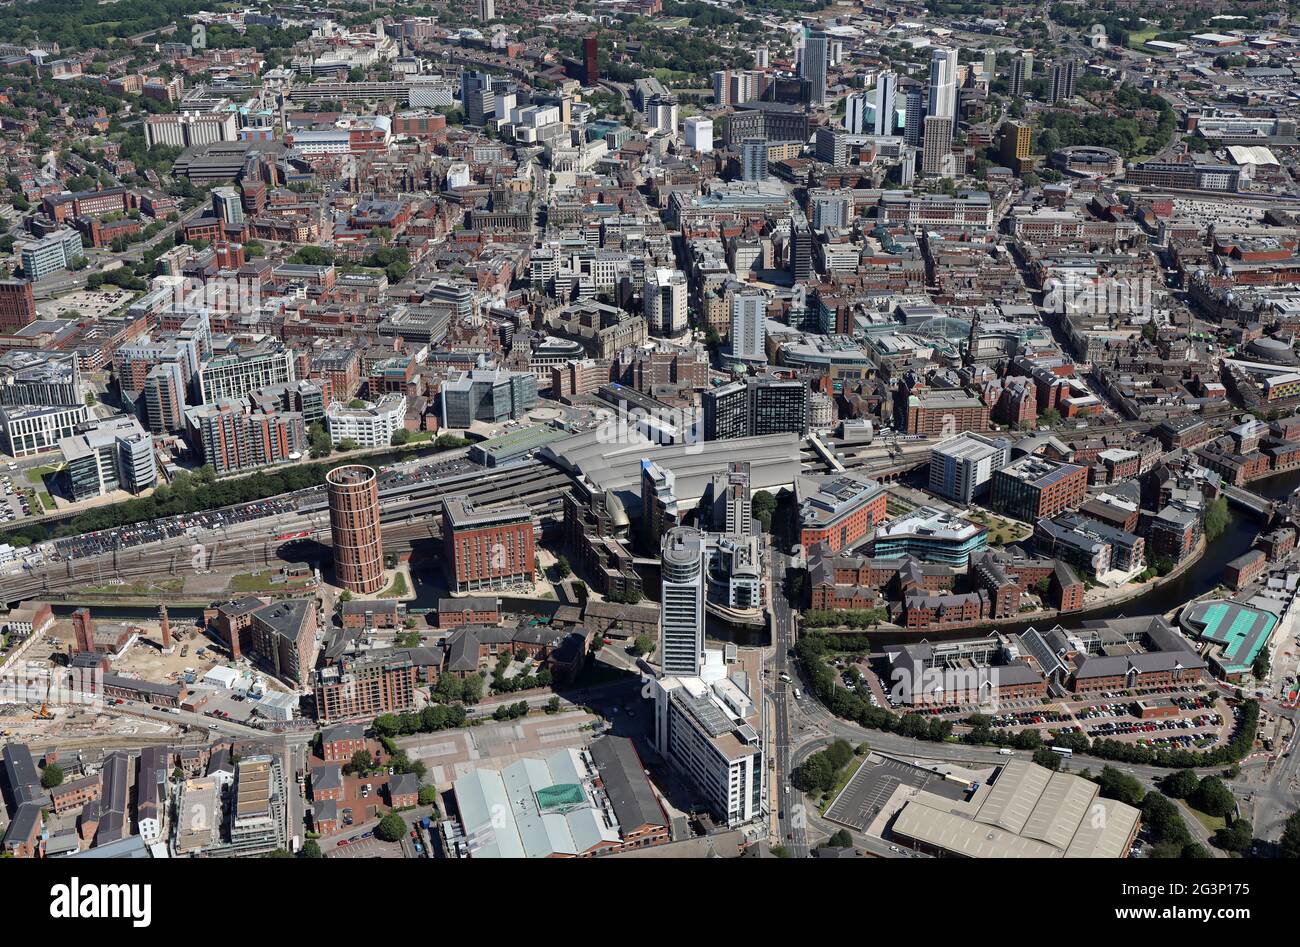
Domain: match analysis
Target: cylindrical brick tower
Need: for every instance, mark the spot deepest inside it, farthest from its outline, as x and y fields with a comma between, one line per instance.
x=354, y=526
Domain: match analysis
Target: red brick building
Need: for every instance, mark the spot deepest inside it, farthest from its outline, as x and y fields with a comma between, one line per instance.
x=925, y=610
x=841, y=511
x=488, y=549
x=17, y=305
x=470, y=610
x=74, y=794
x=338, y=743
x=1031, y=488
x=1245, y=569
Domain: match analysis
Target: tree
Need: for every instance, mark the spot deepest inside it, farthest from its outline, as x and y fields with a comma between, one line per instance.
x=1046, y=758
x=428, y=795
x=841, y=839
x=1237, y=837
x=1213, y=798
x=319, y=440
x=1216, y=518
x=310, y=849
x=763, y=506
x=52, y=775
x=1290, y=844
x=1261, y=666
x=400, y=437
x=553, y=705
x=362, y=762
x=643, y=645
x=562, y=567
x=390, y=828
x=1180, y=785
x=815, y=774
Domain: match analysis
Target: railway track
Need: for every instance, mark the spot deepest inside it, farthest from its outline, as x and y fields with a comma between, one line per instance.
x=409, y=513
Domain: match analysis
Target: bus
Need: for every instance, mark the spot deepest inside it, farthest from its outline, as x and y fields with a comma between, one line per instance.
x=1063, y=751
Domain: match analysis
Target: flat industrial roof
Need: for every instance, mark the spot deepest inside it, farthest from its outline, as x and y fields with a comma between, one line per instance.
x=774, y=461
x=1241, y=631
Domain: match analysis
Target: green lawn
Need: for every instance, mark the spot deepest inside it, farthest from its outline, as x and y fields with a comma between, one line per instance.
x=37, y=474
x=1211, y=822
x=1135, y=40
x=250, y=582
x=398, y=588
x=261, y=582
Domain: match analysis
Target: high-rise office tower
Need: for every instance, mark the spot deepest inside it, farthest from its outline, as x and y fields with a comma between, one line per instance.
x=801, y=240
x=699, y=133
x=487, y=10
x=665, y=302
x=757, y=406
x=659, y=508
x=477, y=95
x=1064, y=76
x=590, y=60
x=914, y=116
x=748, y=321
x=661, y=113
x=353, y=495
x=681, y=609
x=731, y=507
x=830, y=207
x=813, y=63
x=753, y=159
x=1022, y=70
x=228, y=206
x=1015, y=144
x=936, y=146
x=990, y=64
x=943, y=83
x=855, y=113
x=886, y=93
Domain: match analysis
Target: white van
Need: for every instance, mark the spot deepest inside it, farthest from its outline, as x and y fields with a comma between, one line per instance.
x=797, y=695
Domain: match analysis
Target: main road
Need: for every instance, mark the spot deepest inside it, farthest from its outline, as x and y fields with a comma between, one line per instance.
x=791, y=822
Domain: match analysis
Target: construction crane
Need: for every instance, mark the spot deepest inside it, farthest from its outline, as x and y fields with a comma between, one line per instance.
x=43, y=713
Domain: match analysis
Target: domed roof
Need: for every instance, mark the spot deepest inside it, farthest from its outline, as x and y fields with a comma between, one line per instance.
x=1268, y=349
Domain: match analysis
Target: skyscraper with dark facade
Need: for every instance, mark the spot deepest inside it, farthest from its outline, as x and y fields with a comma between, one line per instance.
x=763, y=404
x=590, y=60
